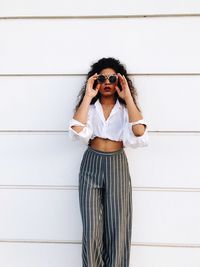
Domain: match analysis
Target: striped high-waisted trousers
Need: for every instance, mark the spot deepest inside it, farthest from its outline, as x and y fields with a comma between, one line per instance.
x=105, y=197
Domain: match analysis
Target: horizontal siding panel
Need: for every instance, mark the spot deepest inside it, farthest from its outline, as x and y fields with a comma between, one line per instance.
x=56, y=46
x=37, y=103
x=39, y=159
x=169, y=103
x=170, y=160
x=166, y=217
x=158, y=217
x=40, y=255
x=87, y=8
x=165, y=257
x=42, y=214
x=62, y=255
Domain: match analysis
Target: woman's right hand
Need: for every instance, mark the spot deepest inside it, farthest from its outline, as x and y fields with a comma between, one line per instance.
x=90, y=92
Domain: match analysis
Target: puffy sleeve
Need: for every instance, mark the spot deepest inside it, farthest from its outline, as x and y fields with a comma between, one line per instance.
x=129, y=138
x=85, y=134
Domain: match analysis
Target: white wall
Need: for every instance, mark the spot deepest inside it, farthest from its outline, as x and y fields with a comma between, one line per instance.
x=46, y=49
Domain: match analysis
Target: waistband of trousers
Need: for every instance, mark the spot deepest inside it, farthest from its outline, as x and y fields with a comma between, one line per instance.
x=105, y=153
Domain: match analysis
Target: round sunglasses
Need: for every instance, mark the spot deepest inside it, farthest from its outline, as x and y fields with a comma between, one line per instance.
x=102, y=78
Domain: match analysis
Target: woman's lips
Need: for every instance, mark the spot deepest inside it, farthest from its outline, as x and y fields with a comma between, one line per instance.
x=107, y=88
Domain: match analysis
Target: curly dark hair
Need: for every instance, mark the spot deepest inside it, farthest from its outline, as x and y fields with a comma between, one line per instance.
x=98, y=66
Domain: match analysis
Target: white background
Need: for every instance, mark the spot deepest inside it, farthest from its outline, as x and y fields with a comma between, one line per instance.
x=46, y=49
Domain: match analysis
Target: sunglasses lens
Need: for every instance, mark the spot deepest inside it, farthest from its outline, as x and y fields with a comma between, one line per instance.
x=112, y=79
x=101, y=79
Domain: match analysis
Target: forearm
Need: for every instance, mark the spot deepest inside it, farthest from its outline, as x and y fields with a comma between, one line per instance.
x=134, y=115
x=82, y=113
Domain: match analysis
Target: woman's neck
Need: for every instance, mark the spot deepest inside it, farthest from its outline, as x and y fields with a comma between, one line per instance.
x=107, y=100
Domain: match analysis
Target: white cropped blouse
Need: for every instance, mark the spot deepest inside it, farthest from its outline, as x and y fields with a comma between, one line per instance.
x=116, y=127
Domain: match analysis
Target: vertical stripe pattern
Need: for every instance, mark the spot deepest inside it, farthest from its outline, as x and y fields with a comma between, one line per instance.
x=105, y=198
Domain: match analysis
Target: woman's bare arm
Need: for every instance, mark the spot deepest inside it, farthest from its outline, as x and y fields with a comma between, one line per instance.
x=82, y=113
x=135, y=115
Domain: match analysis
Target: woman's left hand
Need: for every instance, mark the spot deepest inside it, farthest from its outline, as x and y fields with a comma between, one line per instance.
x=125, y=93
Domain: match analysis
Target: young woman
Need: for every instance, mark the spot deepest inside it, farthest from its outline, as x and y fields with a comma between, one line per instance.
x=107, y=119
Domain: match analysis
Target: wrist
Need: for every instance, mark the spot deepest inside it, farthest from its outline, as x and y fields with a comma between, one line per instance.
x=87, y=98
x=128, y=99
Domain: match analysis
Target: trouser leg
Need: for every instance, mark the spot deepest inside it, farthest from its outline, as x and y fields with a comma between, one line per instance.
x=90, y=199
x=118, y=212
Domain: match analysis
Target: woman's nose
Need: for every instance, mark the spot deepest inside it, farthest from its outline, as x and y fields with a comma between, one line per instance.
x=107, y=80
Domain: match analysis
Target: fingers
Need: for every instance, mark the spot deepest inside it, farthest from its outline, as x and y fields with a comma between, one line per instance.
x=97, y=87
x=93, y=77
x=122, y=78
x=117, y=89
